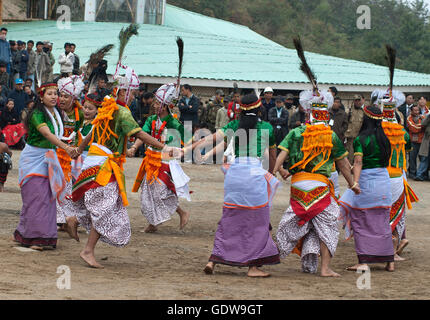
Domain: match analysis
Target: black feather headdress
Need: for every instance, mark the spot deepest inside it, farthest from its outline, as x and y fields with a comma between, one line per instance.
x=391, y=61
x=125, y=36
x=303, y=64
x=180, y=44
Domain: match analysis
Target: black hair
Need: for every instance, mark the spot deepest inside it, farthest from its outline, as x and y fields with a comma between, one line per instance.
x=415, y=106
x=373, y=127
x=10, y=99
x=72, y=45
x=334, y=90
x=30, y=41
x=188, y=87
x=66, y=45
x=39, y=43
x=12, y=43
x=419, y=98
x=409, y=94
x=3, y=29
x=38, y=105
x=148, y=95
x=29, y=79
x=248, y=119
x=337, y=98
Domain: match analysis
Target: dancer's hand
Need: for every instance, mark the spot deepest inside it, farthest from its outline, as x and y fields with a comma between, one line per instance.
x=285, y=174
x=72, y=152
x=356, y=188
x=131, y=152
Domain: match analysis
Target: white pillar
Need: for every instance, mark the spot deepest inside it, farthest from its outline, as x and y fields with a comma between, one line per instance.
x=140, y=11
x=164, y=12
x=45, y=14
x=90, y=10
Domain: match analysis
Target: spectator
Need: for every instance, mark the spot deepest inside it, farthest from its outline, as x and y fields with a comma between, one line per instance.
x=31, y=95
x=31, y=65
x=29, y=82
x=222, y=118
x=405, y=108
x=338, y=119
x=299, y=118
x=334, y=92
x=355, y=121
x=416, y=133
x=85, y=91
x=9, y=115
x=189, y=106
x=18, y=95
x=146, y=108
x=43, y=64
x=278, y=118
x=3, y=96
x=22, y=58
x=29, y=105
x=5, y=54
x=422, y=172
x=47, y=47
x=76, y=59
x=66, y=60
x=291, y=108
x=212, y=110
x=234, y=107
x=268, y=102
x=422, y=103
x=4, y=76
x=14, y=72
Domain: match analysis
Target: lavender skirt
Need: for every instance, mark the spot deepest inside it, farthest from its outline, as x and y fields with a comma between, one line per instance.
x=38, y=220
x=367, y=217
x=243, y=238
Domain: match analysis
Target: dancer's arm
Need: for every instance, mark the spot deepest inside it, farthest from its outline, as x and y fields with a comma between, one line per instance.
x=52, y=138
x=358, y=165
x=272, y=160
x=218, y=149
x=279, y=163
x=345, y=168
x=84, y=143
x=206, y=141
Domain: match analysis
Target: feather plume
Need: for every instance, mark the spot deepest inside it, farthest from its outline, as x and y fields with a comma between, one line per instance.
x=391, y=61
x=304, y=65
x=97, y=56
x=180, y=44
x=125, y=36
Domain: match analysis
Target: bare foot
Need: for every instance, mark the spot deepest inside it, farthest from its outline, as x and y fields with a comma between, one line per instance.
x=72, y=227
x=329, y=273
x=38, y=248
x=398, y=258
x=151, y=229
x=254, y=272
x=62, y=228
x=361, y=267
x=89, y=258
x=390, y=267
x=184, y=219
x=209, y=269
x=403, y=244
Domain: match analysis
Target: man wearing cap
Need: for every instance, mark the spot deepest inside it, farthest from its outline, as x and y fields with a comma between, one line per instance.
x=18, y=95
x=212, y=110
x=268, y=101
x=355, y=120
x=289, y=105
x=278, y=118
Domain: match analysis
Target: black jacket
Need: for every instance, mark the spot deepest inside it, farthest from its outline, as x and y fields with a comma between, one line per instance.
x=282, y=121
x=8, y=117
x=187, y=113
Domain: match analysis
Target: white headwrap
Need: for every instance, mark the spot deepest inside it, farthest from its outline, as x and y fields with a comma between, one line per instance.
x=72, y=86
x=167, y=93
x=130, y=81
x=385, y=102
x=308, y=100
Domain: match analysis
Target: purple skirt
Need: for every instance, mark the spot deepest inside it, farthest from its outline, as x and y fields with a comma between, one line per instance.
x=38, y=219
x=372, y=235
x=243, y=238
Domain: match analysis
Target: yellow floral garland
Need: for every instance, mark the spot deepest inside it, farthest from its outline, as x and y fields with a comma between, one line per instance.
x=317, y=139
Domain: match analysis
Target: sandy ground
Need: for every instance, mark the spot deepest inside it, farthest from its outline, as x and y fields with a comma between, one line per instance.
x=169, y=264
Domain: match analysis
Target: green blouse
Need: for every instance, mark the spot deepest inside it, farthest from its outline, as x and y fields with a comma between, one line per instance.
x=175, y=130
x=72, y=124
x=124, y=125
x=35, y=138
x=85, y=130
x=293, y=143
x=370, y=152
x=259, y=142
x=408, y=147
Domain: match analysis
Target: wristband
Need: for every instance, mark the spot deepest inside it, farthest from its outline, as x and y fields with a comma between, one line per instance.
x=354, y=185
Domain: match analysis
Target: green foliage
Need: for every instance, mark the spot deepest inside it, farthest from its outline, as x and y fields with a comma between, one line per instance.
x=329, y=26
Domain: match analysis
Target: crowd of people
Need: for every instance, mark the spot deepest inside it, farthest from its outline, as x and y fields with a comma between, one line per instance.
x=79, y=130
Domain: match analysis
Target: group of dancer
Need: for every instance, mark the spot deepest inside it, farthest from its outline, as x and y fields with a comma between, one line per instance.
x=71, y=174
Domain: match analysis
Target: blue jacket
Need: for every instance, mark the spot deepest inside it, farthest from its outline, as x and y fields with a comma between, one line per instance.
x=4, y=51
x=187, y=113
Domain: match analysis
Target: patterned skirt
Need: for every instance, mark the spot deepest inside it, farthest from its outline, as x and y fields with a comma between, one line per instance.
x=67, y=208
x=322, y=227
x=102, y=208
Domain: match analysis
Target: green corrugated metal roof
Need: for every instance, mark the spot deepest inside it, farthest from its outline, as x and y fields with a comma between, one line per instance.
x=214, y=49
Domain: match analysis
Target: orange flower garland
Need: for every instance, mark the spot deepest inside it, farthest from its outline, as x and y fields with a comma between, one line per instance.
x=396, y=136
x=101, y=122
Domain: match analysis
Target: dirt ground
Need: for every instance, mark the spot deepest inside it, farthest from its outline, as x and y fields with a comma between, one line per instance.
x=169, y=264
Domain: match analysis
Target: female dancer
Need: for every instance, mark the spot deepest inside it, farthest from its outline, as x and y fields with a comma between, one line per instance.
x=366, y=216
x=40, y=176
